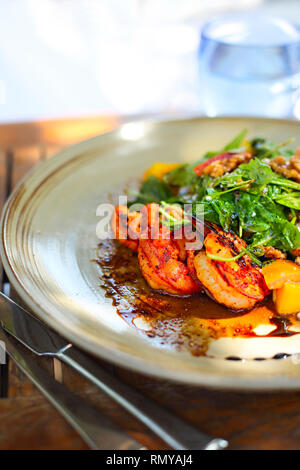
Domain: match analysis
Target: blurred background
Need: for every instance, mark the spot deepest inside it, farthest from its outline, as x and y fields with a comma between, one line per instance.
x=73, y=58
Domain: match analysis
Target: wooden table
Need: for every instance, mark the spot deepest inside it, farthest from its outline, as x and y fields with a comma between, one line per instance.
x=28, y=421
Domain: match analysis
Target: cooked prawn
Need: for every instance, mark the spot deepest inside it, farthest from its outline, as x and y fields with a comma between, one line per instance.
x=238, y=284
x=167, y=265
x=162, y=259
x=126, y=226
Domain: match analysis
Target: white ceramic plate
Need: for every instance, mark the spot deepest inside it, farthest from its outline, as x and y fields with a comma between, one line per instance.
x=48, y=239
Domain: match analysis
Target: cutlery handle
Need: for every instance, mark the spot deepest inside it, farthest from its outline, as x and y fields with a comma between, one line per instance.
x=94, y=428
x=171, y=429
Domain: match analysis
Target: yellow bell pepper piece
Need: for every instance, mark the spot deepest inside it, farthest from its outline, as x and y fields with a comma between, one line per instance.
x=281, y=271
x=158, y=169
x=247, y=144
x=287, y=298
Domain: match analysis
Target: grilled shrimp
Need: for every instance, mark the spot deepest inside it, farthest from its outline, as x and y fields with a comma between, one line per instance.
x=167, y=265
x=163, y=259
x=238, y=284
x=126, y=226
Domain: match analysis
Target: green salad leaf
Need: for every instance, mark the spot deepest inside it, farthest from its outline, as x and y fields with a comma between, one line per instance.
x=259, y=210
x=184, y=175
x=253, y=201
x=291, y=200
x=153, y=190
x=263, y=148
x=235, y=144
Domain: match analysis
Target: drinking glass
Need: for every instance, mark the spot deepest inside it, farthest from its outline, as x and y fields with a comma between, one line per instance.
x=250, y=65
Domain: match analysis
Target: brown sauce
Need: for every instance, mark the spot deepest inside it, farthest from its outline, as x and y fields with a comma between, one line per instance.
x=182, y=322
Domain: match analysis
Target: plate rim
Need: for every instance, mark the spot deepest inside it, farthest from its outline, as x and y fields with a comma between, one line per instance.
x=229, y=382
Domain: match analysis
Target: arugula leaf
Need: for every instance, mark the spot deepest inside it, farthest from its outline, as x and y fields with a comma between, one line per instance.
x=286, y=183
x=226, y=208
x=288, y=235
x=255, y=205
x=291, y=200
x=261, y=174
x=253, y=216
x=263, y=148
x=256, y=171
x=184, y=175
x=252, y=201
x=235, y=144
x=153, y=190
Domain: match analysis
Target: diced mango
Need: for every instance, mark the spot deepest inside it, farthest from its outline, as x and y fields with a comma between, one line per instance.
x=158, y=169
x=287, y=298
x=281, y=271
